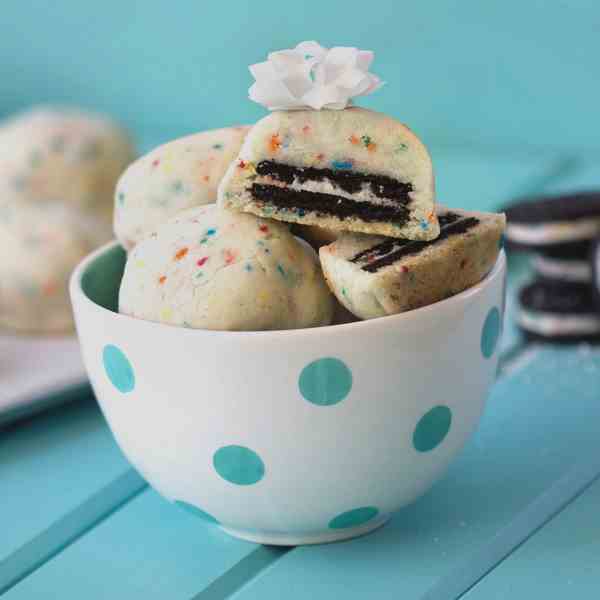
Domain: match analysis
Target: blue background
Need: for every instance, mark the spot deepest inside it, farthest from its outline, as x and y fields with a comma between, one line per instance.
x=487, y=73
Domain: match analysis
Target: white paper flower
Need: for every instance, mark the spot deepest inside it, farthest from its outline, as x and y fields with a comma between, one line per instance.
x=310, y=76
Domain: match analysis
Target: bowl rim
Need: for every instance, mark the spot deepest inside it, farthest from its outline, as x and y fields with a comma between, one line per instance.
x=79, y=296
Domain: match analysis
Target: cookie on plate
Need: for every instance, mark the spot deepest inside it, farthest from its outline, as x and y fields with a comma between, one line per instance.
x=63, y=154
x=373, y=276
x=171, y=178
x=346, y=170
x=553, y=221
x=557, y=311
x=42, y=242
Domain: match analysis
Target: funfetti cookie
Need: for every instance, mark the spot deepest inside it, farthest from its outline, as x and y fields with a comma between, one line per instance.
x=316, y=160
x=560, y=312
x=41, y=243
x=212, y=269
x=553, y=222
x=374, y=276
x=171, y=178
x=63, y=154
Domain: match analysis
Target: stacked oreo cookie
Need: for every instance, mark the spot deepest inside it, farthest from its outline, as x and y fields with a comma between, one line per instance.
x=560, y=305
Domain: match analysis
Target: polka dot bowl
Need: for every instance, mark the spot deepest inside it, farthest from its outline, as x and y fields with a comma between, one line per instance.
x=290, y=437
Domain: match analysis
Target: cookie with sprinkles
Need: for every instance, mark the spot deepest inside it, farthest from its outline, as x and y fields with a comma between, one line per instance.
x=171, y=178
x=212, y=269
x=42, y=242
x=56, y=153
x=316, y=160
x=340, y=170
x=374, y=276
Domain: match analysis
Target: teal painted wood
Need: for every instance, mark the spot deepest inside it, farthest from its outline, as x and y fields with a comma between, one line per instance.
x=537, y=446
x=585, y=175
x=148, y=549
x=455, y=71
x=49, y=465
x=560, y=561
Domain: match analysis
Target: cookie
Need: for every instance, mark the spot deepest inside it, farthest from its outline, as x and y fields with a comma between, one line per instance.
x=346, y=170
x=558, y=311
x=316, y=236
x=63, y=154
x=563, y=269
x=374, y=276
x=42, y=242
x=173, y=177
x=212, y=269
x=594, y=258
x=553, y=221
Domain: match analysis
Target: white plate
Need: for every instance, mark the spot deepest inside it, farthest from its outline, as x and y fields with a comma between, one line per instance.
x=34, y=371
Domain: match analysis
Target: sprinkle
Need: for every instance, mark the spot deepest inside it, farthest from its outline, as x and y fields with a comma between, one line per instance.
x=306, y=129
x=281, y=271
x=49, y=288
x=229, y=255
x=431, y=217
x=121, y=198
x=156, y=162
x=202, y=261
x=264, y=228
x=248, y=267
x=178, y=186
x=242, y=164
x=217, y=146
x=181, y=253
x=166, y=314
x=353, y=139
x=341, y=164
x=423, y=224
x=58, y=144
x=274, y=142
x=162, y=279
x=35, y=160
x=211, y=231
x=404, y=269
x=400, y=148
x=206, y=178
x=301, y=212
x=320, y=156
x=199, y=274
x=344, y=293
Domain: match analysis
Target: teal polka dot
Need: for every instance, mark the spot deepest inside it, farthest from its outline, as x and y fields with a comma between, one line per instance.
x=239, y=465
x=197, y=512
x=353, y=518
x=490, y=333
x=432, y=428
x=118, y=368
x=325, y=381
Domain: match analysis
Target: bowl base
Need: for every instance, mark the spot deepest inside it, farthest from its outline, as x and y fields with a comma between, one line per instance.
x=290, y=539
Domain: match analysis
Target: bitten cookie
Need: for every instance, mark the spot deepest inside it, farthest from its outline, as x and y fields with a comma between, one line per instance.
x=556, y=311
x=178, y=175
x=210, y=269
x=351, y=169
x=41, y=245
x=63, y=154
x=375, y=276
x=553, y=222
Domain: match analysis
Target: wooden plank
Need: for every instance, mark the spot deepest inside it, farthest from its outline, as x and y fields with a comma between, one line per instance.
x=522, y=465
x=50, y=465
x=148, y=549
x=560, y=561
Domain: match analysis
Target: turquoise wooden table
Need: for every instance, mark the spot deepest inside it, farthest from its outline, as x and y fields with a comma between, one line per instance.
x=516, y=515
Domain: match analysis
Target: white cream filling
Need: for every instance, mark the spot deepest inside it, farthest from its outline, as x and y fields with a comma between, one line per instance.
x=549, y=233
x=326, y=186
x=555, y=324
x=567, y=270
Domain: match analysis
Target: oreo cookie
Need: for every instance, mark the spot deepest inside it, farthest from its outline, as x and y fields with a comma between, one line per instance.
x=554, y=222
x=557, y=311
x=594, y=259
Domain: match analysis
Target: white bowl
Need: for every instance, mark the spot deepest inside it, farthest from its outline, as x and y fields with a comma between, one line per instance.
x=291, y=437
